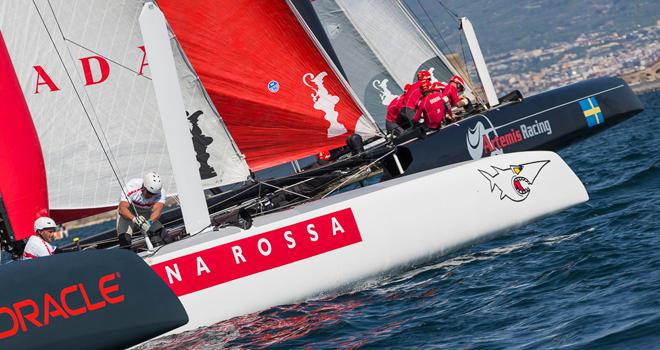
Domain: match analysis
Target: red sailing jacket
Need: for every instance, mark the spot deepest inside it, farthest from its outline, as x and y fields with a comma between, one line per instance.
x=412, y=96
x=394, y=108
x=433, y=107
x=452, y=94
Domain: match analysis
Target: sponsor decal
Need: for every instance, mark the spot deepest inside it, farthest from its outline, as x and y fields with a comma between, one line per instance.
x=484, y=140
x=325, y=102
x=96, y=70
x=592, y=113
x=514, y=182
x=386, y=96
x=478, y=138
x=71, y=301
x=536, y=129
x=273, y=86
x=433, y=78
x=200, y=143
x=223, y=263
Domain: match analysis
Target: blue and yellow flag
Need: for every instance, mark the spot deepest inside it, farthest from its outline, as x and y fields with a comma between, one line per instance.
x=592, y=112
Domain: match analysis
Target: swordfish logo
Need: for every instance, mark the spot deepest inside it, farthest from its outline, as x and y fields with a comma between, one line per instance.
x=514, y=182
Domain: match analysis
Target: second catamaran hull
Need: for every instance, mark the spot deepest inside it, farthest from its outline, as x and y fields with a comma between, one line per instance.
x=545, y=121
x=336, y=242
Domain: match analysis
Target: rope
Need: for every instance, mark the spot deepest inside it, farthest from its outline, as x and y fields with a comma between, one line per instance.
x=285, y=188
x=460, y=38
x=448, y=9
x=359, y=172
x=430, y=19
x=108, y=153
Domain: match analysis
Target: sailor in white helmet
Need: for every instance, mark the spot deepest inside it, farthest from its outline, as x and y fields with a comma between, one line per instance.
x=38, y=245
x=141, y=204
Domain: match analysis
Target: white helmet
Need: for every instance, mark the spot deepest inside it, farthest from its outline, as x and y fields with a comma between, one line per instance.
x=152, y=182
x=44, y=222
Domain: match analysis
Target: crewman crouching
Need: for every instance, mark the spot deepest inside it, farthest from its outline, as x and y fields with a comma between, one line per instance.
x=141, y=204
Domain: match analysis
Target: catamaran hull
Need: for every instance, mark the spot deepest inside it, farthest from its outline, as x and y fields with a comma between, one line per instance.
x=336, y=242
x=546, y=121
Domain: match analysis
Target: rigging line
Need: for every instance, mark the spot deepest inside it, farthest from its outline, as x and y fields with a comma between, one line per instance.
x=232, y=197
x=285, y=190
x=105, y=57
x=469, y=81
x=368, y=166
x=94, y=113
x=98, y=137
x=434, y=27
x=448, y=9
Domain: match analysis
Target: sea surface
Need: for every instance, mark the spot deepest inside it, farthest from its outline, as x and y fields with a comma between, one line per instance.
x=586, y=278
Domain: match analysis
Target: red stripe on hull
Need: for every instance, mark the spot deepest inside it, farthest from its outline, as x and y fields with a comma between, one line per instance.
x=262, y=252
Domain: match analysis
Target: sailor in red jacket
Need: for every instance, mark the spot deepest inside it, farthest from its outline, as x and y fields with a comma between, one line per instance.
x=454, y=87
x=431, y=106
x=414, y=94
x=394, y=120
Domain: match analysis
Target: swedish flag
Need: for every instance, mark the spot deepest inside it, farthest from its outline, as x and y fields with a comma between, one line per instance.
x=592, y=112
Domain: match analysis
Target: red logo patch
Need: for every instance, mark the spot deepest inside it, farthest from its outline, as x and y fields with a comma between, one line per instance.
x=265, y=251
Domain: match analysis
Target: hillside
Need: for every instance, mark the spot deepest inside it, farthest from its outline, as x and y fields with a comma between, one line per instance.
x=503, y=27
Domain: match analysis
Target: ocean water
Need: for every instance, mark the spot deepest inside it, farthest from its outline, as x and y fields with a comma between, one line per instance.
x=586, y=278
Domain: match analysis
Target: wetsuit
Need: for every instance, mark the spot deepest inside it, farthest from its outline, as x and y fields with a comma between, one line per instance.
x=432, y=106
x=412, y=97
x=393, y=117
x=450, y=94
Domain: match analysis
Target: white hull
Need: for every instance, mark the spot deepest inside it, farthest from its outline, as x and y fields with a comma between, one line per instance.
x=402, y=221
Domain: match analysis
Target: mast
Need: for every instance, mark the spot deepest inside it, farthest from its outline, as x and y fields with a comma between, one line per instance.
x=172, y=114
x=482, y=69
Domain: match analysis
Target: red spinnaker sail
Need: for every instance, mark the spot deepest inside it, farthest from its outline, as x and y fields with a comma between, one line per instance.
x=274, y=90
x=22, y=173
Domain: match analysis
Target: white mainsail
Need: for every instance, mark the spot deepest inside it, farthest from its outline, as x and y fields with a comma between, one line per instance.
x=80, y=59
x=380, y=47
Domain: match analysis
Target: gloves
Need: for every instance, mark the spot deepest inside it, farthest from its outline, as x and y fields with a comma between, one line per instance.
x=139, y=220
x=142, y=222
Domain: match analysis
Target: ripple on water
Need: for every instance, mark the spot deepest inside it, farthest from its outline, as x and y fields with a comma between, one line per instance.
x=585, y=278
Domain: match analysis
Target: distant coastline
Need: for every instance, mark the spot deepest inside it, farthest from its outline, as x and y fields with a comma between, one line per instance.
x=644, y=80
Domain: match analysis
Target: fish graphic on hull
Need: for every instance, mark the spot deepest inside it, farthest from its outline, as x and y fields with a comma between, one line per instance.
x=516, y=181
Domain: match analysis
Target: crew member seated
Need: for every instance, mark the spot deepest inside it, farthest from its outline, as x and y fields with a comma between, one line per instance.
x=38, y=245
x=395, y=121
x=432, y=106
x=413, y=96
x=142, y=202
